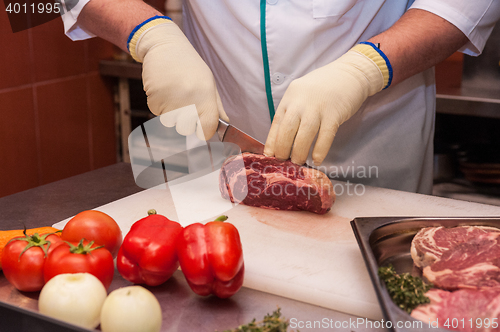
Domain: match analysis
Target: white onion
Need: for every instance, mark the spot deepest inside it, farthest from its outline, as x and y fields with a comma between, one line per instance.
x=131, y=309
x=76, y=298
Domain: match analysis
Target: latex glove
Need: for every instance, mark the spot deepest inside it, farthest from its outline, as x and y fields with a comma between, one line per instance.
x=320, y=101
x=175, y=76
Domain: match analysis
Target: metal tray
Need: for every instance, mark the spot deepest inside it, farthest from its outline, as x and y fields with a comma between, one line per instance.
x=387, y=240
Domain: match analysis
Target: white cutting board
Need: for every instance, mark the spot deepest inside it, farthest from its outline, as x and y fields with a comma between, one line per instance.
x=299, y=255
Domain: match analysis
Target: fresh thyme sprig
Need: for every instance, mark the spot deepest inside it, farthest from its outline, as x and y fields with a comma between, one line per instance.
x=405, y=290
x=271, y=323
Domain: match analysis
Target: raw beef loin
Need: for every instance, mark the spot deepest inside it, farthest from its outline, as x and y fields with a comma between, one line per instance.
x=463, y=310
x=458, y=257
x=266, y=182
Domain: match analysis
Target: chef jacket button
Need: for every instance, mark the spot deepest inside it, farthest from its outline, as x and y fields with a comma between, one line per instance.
x=272, y=2
x=278, y=78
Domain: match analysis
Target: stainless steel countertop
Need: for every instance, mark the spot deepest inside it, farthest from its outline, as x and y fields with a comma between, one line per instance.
x=182, y=309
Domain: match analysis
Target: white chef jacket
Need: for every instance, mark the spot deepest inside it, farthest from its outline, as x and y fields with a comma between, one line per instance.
x=389, y=141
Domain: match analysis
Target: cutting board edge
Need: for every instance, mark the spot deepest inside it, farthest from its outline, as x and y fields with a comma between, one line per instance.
x=368, y=309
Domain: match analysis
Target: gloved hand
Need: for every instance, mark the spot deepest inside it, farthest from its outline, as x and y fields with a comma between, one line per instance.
x=320, y=101
x=175, y=76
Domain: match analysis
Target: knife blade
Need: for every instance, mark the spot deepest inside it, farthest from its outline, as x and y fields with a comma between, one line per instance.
x=231, y=134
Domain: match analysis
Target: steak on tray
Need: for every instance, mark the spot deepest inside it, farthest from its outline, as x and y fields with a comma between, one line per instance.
x=463, y=310
x=458, y=257
x=267, y=182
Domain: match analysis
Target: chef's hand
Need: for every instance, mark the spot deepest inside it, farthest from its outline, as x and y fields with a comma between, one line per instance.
x=320, y=101
x=175, y=76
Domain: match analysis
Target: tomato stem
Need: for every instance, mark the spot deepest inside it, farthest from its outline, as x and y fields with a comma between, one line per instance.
x=34, y=240
x=82, y=249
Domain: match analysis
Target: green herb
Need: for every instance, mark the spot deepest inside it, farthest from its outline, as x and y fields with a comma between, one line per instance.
x=271, y=323
x=405, y=290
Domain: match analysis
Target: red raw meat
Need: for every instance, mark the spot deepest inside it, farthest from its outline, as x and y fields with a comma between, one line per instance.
x=464, y=310
x=458, y=257
x=266, y=182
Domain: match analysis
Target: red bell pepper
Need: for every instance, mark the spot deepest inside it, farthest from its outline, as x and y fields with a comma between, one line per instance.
x=211, y=258
x=148, y=254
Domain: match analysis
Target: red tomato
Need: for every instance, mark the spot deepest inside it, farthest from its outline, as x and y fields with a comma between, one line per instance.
x=94, y=226
x=80, y=258
x=23, y=260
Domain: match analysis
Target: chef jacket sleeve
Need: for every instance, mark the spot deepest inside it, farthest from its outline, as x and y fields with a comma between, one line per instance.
x=475, y=19
x=71, y=28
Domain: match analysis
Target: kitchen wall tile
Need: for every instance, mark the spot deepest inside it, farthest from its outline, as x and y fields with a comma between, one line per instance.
x=102, y=121
x=18, y=148
x=99, y=49
x=55, y=55
x=64, y=129
x=449, y=73
x=15, y=66
x=157, y=4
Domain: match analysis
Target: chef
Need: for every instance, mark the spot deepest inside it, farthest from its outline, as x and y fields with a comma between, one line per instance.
x=346, y=83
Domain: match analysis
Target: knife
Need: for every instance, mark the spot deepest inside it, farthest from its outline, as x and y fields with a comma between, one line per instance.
x=231, y=134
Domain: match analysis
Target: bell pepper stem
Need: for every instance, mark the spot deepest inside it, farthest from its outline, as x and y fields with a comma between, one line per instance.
x=221, y=218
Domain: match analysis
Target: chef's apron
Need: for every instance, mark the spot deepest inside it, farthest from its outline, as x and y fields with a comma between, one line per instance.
x=256, y=48
x=387, y=143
